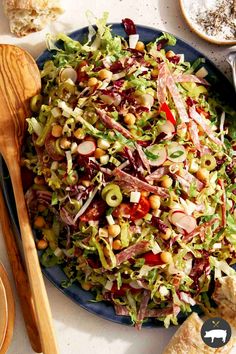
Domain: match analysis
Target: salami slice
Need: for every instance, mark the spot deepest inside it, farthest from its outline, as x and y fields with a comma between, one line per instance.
x=190, y=78
x=203, y=124
x=158, y=173
x=135, y=183
x=112, y=124
x=131, y=251
x=170, y=82
x=193, y=131
x=161, y=84
x=143, y=157
x=189, y=237
x=142, y=309
x=223, y=205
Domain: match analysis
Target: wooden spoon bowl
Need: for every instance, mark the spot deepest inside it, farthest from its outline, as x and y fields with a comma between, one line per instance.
x=19, y=81
x=3, y=313
x=10, y=311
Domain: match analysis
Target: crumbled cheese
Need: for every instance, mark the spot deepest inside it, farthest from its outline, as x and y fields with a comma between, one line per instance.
x=135, y=197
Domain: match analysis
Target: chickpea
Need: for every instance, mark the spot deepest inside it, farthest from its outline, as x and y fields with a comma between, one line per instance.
x=85, y=182
x=166, y=257
x=92, y=81
x=65, y=143
x=113, y=230
x=154, y=73
x=105, y=74
x=39, y=180
x=99, y=152
x=166, y=181
x=42, y=244
x=155, y=201
x=140, y=46
x=79, y=133
x=116, y=245
x=130, y=119
x=86, y=285
x=39, y=222
x=56, y=131
x=166, y=236
x=203, y=175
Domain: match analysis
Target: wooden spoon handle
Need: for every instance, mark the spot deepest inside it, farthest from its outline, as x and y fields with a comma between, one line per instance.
x=20, y=277
x=41, y=303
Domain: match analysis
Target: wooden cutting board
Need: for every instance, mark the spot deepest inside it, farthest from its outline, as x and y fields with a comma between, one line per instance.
x=10, y=311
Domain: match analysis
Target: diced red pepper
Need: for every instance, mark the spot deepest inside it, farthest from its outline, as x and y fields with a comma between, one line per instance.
x=169, y=116
x=152, y=259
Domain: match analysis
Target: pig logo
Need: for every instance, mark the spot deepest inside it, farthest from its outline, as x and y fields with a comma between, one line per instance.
x=216, y=332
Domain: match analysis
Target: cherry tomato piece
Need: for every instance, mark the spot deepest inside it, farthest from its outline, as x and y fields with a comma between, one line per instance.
x=152, y=259
x=140, y=209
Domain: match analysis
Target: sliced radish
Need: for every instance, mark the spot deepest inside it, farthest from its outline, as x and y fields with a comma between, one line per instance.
x=68, y=73
x=156, y=155
x=86, y=148
x=147, y=100
x=114, y=99
x=168, y=128
x=133, y=40
x=176, y=152
x=182, y=220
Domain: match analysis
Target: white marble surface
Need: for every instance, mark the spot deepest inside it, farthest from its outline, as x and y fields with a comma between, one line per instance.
x=78, y=331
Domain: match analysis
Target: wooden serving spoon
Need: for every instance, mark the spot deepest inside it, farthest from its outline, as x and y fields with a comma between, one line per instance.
x=19, y=81
x=20, y=277
x=3, y=313
x=11, y=310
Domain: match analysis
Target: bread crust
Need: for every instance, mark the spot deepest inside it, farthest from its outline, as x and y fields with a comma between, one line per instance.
x=37, y=5
x=26, y=16
x=187, y=339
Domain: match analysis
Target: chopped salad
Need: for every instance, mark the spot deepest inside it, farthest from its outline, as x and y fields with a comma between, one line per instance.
x=133, y=159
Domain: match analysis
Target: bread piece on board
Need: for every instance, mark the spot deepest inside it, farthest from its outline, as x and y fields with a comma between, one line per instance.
x=26, y=16
x=187, y=339
x=225, y=297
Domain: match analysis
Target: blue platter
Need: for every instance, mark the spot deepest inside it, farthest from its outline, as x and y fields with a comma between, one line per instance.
x=55, y=274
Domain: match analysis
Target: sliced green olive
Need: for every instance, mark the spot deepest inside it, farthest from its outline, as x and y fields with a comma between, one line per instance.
x=208, y=161
x=73, y=206
x=72, y=178
x=111, y=186
x=36, y=103
x=113, y=197
x=65, y=88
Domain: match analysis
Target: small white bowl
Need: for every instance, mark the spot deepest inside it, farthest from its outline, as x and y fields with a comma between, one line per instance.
x=185, y=6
